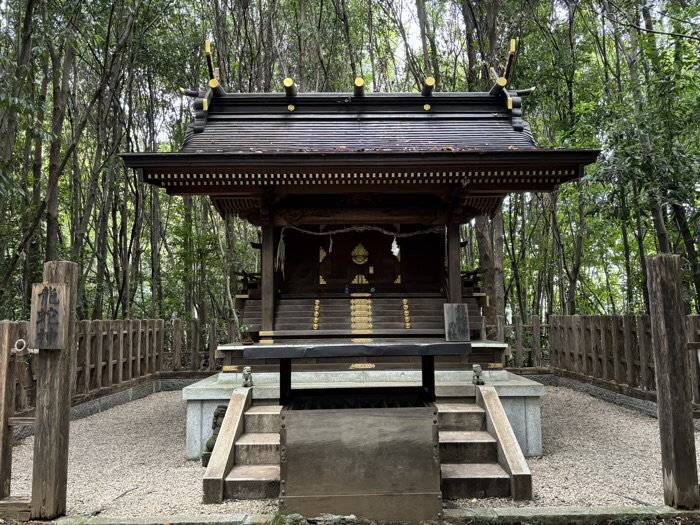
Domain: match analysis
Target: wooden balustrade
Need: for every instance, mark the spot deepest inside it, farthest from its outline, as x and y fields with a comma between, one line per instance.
x=613, y=349
x=605, y=349
x=111, y=353
x=525, y=340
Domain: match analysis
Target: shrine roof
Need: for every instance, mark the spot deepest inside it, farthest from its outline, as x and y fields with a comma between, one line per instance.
x=246, y=137
x=340, y=122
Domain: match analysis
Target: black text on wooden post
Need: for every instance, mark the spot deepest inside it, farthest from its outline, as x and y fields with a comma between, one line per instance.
x=669, y=342
x=54, y=370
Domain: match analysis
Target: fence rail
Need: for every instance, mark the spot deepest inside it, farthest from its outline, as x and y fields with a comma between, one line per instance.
x=528, y=342
x=614, y=349
x=111, y=353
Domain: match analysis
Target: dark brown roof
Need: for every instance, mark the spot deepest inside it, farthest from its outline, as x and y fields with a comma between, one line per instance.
x=342, y=123
x=245, y=149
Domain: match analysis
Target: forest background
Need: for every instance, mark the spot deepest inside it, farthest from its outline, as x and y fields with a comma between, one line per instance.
x=83, y=81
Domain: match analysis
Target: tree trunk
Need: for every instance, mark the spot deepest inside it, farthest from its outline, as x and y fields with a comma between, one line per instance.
x=61, y=77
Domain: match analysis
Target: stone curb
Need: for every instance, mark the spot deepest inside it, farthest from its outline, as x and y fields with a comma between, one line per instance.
x=514, y=515
x=568, y=515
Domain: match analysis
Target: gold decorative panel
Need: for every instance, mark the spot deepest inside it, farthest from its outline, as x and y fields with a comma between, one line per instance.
x=360, y=279
x=321, y=254
x=398, y=279
x=361, y=316
x=362, y=366
x=360, y=255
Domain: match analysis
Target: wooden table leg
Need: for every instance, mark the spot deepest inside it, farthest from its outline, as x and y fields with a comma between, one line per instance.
x=285, y=380
x=428, y=371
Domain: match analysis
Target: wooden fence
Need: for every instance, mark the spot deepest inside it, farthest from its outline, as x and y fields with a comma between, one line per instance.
x=528, y=342
x=613, y=351
x=112, y=353
x=596, y=348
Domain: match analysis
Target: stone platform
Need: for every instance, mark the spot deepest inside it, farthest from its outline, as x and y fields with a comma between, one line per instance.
x=520, y=397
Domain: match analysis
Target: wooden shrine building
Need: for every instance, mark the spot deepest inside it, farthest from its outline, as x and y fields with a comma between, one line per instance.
x=360, y=197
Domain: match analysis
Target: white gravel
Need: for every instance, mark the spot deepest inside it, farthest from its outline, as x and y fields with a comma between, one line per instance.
x=595, y=454
x=128, y=461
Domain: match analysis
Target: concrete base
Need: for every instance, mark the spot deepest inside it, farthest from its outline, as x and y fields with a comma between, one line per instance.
x=520, y=397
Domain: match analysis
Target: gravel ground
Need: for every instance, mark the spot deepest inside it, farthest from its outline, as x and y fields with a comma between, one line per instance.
x=595, y=454
x=128, y=461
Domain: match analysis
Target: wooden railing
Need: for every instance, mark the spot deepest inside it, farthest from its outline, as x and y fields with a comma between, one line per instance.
x=613, y=351
x=528, y=343
x=111, y=354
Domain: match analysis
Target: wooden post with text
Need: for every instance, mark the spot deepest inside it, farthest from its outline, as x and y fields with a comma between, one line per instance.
x=52, y=331
x=674, y=398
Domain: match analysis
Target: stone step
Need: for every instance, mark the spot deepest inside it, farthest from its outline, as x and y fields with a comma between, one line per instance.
x=263, y=418
x=460, y=416
x=472, y=446
x=258, y=449
x=252, y=482
x=474, y=480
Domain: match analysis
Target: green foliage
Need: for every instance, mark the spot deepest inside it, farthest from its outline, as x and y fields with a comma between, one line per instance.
x=144, y=255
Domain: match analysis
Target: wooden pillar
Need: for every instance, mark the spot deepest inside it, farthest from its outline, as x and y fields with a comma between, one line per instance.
x=500, y=329
x=454, y=272
x=54, y=370
x=268, y=278
x=177, y=344
x=213, y=343
x=674, y=399
x=536, y=341
x=285, y=380
x=7, y=406
x=194, y=344
x=518, y=322
x=428, y=376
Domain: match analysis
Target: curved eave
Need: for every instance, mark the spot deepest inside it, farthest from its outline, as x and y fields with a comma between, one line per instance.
x=356, y=161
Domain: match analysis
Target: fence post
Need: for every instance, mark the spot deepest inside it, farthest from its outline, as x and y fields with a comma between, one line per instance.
x=584, y=342
x=54, y=371
x=119, y=329
x=160, y=343
x=518, y=321
x=500, y=329
x=674, y=401
x=577, y=355
x=195, y=345
x=177, y=344
x=213, y=344
x=553, y=336
x=644, y=343
x=7, y=405
x=536, y=342
x=694, y=337
x=628, y=323
x=84, y=358
x=99, y=351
